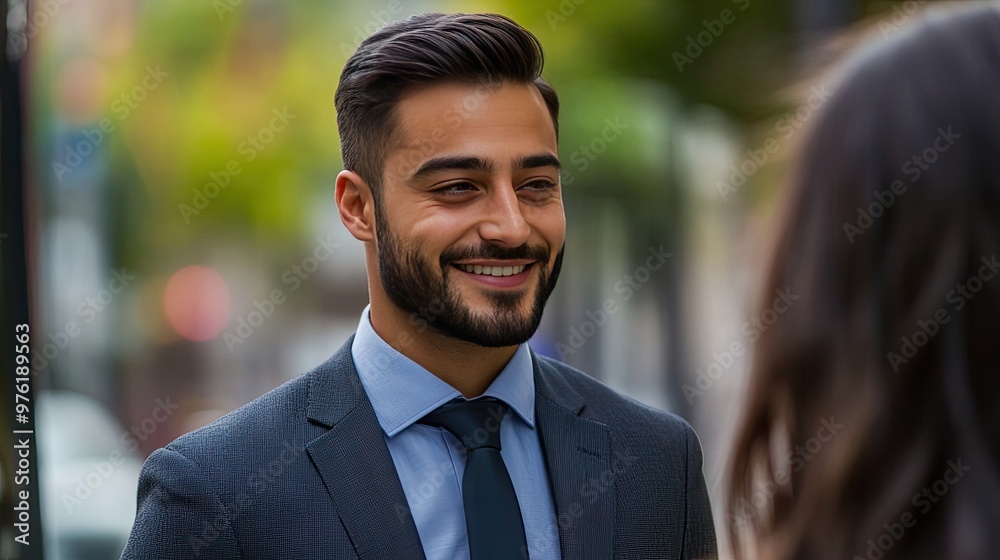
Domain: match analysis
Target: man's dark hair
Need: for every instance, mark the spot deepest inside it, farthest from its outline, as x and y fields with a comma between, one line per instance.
x=425, y=49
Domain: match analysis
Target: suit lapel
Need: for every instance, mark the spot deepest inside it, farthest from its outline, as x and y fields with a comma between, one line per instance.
x=578, y=459
x=355, y=465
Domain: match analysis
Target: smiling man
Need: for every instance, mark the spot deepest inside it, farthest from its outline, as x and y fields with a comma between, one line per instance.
x=435, y=431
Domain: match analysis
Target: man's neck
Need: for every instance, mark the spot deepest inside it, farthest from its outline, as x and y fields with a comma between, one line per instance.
x=467, y=367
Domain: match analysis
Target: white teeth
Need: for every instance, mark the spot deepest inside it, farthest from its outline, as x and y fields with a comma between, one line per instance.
x=493, y=270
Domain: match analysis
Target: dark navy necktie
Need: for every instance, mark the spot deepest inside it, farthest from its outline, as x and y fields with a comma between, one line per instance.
x=492, y=514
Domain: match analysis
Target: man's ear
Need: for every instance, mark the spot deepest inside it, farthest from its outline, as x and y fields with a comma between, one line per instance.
x=356, y=205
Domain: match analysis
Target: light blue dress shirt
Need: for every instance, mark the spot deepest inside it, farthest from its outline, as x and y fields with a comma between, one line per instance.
x=430, y=461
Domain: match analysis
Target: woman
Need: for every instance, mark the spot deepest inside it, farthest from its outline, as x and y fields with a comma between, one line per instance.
x=871, y=429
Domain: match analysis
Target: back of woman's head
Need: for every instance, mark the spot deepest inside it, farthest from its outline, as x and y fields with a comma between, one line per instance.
x=872, y=429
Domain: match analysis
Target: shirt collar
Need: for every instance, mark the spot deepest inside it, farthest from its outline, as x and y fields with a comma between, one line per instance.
x=402, y=392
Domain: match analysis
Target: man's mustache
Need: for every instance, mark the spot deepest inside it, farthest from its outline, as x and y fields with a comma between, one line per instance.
x=494, y=252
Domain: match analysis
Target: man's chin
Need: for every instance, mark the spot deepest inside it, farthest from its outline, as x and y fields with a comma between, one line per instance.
x=493, y=329
x=492, y=340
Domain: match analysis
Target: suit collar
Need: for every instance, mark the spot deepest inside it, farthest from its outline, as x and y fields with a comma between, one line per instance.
x=335, y=389
x=353, y=454
x=552, y=386
x=578, y=457
x=355, y=465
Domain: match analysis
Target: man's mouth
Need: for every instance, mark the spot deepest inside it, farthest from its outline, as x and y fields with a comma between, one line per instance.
x=493, y=270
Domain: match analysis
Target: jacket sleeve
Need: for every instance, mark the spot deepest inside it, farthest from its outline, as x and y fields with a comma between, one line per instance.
x=699, y=528
x=179, y=513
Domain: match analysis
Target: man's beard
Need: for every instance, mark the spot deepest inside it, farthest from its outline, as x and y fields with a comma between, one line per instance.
x=432, y=299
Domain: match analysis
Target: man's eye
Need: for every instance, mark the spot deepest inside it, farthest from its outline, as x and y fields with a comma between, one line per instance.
x=455, y=189
x=539, y=185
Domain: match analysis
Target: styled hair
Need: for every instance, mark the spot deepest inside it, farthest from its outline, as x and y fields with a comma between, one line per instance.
x=872, y=428
x=426, y=49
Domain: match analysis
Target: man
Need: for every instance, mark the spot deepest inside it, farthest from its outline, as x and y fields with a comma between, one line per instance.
x=435, y=431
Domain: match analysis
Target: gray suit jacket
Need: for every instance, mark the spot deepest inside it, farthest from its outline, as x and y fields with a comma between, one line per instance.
x=304, y=472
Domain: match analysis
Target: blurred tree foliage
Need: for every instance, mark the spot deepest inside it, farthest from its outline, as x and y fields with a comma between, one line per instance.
x=232, y=63
x=197, y=161
x=241, y=136
x=242, y=133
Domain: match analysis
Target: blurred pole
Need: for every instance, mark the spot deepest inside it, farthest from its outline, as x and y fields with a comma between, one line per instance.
x=669, y=230
x=19, y=490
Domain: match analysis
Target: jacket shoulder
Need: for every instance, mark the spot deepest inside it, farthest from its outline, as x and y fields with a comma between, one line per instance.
x=254, y=422
x=605, y=405
x=213, y=491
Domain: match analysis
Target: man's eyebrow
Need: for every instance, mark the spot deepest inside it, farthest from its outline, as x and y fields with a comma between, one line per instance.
x=539, y=160
x=447, y=163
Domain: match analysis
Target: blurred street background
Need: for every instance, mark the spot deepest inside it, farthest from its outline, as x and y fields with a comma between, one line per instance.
x=186, y=256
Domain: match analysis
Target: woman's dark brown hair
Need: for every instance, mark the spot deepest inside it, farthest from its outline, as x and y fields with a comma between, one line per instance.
x=872, y=428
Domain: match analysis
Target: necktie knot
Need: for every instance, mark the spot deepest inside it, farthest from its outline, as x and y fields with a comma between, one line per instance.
x=474, y=423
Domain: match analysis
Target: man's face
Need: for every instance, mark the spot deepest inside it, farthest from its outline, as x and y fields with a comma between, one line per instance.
x=470, y=225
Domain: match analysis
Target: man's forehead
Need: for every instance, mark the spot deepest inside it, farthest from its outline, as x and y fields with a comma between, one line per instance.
x=446, y=111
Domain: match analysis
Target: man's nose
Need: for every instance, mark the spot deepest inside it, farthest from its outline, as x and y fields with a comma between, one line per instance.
x=503, y=221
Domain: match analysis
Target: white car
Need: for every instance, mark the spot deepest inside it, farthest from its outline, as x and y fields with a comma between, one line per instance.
x=89, y=477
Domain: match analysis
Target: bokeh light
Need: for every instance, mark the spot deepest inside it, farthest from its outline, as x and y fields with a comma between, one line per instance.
x=197, y=303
